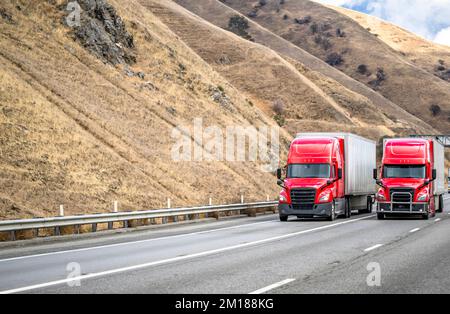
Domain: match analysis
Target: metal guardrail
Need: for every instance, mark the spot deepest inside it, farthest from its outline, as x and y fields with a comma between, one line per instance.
x=55, y=222
x=443, y=139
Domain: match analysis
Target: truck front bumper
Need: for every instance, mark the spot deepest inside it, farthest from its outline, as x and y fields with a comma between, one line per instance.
x=317, y=211
x=395, y=208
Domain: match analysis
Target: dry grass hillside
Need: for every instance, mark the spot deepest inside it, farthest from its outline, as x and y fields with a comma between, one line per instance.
x=343, y=43
x=84, y=123
x=219, y=13
x=268, y=79
x=430, y=56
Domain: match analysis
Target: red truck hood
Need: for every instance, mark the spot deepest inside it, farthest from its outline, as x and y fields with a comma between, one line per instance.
x=402, y=182
x=305, y=183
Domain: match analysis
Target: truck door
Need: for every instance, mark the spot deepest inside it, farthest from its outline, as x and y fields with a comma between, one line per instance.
x=340, y=186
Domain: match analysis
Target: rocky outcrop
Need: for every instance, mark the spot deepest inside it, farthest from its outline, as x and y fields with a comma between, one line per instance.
x=103, y=32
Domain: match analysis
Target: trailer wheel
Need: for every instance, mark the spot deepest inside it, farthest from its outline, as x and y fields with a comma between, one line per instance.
x=284, y=218
x=380, y=216
x=369, y=204
x=441, y=205
x=369, y=208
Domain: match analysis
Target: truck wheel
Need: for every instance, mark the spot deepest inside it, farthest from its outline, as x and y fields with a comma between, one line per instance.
x=380, y=216
x=333, y=212
x=441, y=205
x=284, y=218
x=348, y=211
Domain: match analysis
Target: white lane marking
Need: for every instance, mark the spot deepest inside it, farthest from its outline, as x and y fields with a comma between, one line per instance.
x=373, y=247
x=132, y=242
x=178, y=258
x=414, y=230
x=271, y=287
x=437, y=219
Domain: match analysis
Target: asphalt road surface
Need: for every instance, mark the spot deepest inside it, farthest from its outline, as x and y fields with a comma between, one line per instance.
x=245, y=255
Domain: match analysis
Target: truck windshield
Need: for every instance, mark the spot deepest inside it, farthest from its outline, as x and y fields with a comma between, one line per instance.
x=403, y=171
x=300, y=171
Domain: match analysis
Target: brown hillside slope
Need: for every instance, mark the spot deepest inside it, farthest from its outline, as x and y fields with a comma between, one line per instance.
x=430, y=56
x=330, y=36
x=219, y=14
x=80, y=132
x=266, y=77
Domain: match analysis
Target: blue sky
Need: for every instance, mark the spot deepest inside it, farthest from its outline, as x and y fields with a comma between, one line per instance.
x=427, y=18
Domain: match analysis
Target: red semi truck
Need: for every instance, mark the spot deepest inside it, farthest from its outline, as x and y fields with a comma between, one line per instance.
x=327, y=175
x=412, y=178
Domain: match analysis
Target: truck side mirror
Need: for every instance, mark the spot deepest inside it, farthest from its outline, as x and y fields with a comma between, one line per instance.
x=375, y=174
x=279, y=173
x=434, y=175
x=340, y=175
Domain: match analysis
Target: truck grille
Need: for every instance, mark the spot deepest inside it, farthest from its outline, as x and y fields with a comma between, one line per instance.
x=402, y=195
x=303, y=199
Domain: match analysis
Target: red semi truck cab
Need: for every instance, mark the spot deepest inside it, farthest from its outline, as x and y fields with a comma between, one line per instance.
x=327, y=175
x=412, y=178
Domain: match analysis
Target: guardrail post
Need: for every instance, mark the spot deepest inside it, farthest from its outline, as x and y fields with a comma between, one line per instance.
x=175, y=218
x=125, y=224
x=164, y=220
x=115, y=210
x=94, y=227
x=13, y=235
x=57, y=231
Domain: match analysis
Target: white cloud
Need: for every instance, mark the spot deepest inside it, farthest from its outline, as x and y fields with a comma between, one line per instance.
x=427, y=18
x=443, y=37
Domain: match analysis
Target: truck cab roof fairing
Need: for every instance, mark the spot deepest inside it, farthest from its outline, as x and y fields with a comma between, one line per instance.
x=406, y=151
x=312, y=150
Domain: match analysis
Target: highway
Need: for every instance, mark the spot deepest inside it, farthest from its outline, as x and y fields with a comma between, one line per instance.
x=243, y=255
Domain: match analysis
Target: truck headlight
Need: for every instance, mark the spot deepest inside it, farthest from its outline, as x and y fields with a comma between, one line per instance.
x=381, y=195
x=325, y=197
x=283, y=199
x=422, y=197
